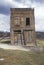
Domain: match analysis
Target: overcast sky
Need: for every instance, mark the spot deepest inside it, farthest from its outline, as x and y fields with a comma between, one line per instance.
x=5, y=6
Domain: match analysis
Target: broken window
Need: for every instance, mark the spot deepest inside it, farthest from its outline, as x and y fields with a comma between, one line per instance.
x=27, y=21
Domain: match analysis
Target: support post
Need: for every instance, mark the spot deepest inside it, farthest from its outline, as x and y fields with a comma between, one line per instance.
x=12, y=37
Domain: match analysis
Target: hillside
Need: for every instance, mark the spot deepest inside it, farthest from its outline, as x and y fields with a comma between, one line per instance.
x=4, y=34
x=39, y=35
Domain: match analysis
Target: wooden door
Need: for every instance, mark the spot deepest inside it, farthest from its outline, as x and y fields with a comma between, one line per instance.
x=19, y=39
x=28, y=36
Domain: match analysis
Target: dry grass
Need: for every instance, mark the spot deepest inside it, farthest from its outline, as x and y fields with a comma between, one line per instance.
x=21, y=57
x=40, y=42
x=5, y=40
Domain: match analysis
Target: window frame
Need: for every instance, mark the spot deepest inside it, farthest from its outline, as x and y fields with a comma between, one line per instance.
x=27, y=20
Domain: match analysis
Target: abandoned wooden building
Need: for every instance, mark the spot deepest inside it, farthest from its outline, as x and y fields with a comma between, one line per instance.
x=22, y=26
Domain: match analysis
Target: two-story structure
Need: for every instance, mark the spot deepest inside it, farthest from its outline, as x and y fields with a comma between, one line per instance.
x=22, y=26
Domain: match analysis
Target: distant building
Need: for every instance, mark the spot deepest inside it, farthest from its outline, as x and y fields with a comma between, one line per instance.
x=22, y=26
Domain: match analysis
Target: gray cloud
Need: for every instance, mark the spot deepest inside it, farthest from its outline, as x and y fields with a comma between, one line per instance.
x=22, y=1
x=4, y=10
x=19, y=1
x=5, y=7
x=38, y=1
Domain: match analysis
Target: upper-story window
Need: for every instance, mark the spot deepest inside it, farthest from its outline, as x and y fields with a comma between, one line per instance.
x=27, y=21
x=17, y=21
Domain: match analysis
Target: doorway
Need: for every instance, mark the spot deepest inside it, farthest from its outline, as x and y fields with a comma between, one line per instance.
x=28, y=36
x=17, y=37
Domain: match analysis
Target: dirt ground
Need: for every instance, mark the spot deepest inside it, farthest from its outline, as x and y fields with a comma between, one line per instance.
x=24, y=48
x=12, y=47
